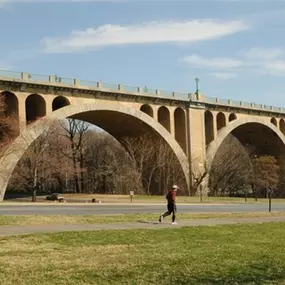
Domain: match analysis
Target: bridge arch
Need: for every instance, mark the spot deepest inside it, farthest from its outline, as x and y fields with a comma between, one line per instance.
x=223, y=133
x=128, y=120
x=221, y=120
x=163, y=116
x=59, y=102
x=273, y=121
x=147, y=109
x=180, y=127
x=11, y=102
x=265, y=138
x=11, y=108
x=232, y=117
x=35, y=107
x=209, y=127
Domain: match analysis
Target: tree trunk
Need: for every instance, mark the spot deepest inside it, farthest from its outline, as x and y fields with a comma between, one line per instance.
x=149, y=181
x=104, y=184
x=34, y=198
x=77, y=186
x=35, y=184
x=81, y=172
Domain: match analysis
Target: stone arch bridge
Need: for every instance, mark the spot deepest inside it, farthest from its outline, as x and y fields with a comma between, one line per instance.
x=193, y=125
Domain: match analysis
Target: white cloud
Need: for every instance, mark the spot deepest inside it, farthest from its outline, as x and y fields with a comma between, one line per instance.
x=223, y=75
x=276, y=67
x=262, y=53
x=214, y=63
x=147, y=33
x=256, y=60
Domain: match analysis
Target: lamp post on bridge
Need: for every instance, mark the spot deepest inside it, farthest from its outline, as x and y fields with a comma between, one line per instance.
x=197, y=85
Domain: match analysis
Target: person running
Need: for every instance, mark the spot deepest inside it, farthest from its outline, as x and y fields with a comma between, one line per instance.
x=171, y=204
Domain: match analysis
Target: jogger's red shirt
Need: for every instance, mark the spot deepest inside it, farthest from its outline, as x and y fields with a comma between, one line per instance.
x=171, y=195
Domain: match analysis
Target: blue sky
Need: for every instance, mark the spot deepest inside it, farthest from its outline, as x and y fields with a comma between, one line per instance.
x=236, y=48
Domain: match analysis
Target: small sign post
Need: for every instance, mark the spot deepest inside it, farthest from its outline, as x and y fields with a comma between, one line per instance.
x=131, y=195
x=269, y=196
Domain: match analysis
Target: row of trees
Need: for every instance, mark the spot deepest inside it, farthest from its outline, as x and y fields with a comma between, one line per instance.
x=71, y=157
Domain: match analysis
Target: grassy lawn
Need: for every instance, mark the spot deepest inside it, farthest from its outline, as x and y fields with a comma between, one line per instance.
x=129, y=218
x=239, y=254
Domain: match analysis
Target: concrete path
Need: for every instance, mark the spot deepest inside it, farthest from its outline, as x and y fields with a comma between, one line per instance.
x=23, y=230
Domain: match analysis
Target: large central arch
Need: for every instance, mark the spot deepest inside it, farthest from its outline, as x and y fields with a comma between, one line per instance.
x=116, y=119
x=225, y=131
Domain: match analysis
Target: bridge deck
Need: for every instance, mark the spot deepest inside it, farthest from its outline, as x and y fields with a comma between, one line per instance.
x=54, y=80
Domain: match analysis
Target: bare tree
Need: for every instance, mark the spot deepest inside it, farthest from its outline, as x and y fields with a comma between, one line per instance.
x=60, y=168
x=109, y=168
x=267, y=172
x=142, y=151
x=33, y=168
x=168, y=170
x=199, y=171
x=75, y=131
x=231, y=169
x=155, y=162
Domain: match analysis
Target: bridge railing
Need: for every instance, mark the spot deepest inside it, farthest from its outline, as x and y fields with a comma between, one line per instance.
x=166, y=94
x=132, y=89
x=90, y=84
x=181, y=96
x=211, y=100
x=10, y=74
x=38, y=77
x=136, y=90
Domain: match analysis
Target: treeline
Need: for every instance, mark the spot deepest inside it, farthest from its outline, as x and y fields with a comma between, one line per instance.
x=239, y=170
x=71, y=157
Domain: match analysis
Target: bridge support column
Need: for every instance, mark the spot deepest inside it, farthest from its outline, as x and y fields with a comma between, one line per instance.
x=215, y=128
x=155, y=115
x=196, y=142
x=22, y=110
x=172, y=123
x=48, y=101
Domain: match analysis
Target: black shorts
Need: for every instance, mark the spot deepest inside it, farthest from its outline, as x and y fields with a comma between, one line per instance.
x=171, y=207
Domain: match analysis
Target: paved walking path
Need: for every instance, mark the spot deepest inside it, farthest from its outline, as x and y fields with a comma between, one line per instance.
x=33, y=229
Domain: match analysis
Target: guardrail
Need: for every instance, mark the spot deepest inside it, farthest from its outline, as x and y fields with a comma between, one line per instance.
x=136, y=90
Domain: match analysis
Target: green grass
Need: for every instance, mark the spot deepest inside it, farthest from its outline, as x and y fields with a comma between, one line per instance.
x=239, y=254
x=128, y=218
